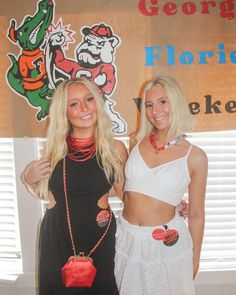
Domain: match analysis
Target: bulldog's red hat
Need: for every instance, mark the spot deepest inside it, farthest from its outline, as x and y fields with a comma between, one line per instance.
x=100, y=30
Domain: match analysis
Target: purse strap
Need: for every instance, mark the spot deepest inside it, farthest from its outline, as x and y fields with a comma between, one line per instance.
x=68, y=217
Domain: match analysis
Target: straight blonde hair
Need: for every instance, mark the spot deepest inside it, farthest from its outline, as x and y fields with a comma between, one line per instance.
x=180, y=120
x=59, y=128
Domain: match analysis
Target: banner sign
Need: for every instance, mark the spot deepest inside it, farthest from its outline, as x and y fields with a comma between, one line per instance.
x=118, y=45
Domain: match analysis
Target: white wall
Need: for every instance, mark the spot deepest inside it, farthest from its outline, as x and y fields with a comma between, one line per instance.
x=216, y=283
x=207, y=283
x=226, y=289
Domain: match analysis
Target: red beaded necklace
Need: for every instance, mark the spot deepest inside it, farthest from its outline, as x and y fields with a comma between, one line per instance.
x=167, y=145
x=80, y=149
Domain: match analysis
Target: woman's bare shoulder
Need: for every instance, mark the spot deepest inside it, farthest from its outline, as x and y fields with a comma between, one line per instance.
x=121, y=148
x=132, y=140
x=198, y=153
x=198, y=158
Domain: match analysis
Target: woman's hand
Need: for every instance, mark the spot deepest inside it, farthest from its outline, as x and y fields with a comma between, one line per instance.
x=183, y=209
x=36, y=171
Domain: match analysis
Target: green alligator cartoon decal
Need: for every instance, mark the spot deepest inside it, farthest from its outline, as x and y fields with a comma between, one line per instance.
x=27, y=74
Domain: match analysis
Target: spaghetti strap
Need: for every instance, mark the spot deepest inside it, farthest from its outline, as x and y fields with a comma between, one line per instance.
x=189, y=151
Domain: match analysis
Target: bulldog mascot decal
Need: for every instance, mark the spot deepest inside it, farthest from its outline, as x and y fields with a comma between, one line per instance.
x=94, y=59
x=42, y=63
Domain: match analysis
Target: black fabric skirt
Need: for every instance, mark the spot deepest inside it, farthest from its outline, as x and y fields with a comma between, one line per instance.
x=55, y=248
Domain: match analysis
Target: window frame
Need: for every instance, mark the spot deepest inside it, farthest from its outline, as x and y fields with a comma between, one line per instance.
x=29, y=213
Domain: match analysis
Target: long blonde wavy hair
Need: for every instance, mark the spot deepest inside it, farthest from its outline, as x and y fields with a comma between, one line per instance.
x=180, y=120
x=59, y=127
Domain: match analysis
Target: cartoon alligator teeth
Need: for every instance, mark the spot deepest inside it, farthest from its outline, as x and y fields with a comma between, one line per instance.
x=27, y=74
x=33, y=35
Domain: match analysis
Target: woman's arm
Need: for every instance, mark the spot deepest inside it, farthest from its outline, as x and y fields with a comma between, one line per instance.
x=34, y=172
x=196, y=219
x=117, y=188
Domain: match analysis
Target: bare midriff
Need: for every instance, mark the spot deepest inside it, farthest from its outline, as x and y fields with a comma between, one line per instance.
x=102, y=202
x=142, y=210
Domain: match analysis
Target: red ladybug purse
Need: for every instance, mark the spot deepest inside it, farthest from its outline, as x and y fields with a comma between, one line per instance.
x=79, y=271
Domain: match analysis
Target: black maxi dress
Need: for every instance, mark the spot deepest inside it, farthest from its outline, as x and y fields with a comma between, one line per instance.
x=86, y=183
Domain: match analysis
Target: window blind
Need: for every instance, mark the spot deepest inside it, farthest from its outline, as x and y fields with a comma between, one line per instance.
x=219, y=244
x=10, y=251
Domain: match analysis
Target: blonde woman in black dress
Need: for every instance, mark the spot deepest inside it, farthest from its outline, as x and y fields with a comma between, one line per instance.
x=79, y=134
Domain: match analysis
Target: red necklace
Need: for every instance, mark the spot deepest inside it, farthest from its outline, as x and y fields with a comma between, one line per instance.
x=169, y=144
x=80, y=149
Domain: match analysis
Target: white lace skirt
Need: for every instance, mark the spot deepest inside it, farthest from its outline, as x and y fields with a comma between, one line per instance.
x=146, y=266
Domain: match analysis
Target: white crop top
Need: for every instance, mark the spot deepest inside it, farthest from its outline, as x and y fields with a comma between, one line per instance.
x=167, y=182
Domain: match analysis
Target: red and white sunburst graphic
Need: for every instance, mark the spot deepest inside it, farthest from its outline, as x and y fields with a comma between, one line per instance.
x=65, y=30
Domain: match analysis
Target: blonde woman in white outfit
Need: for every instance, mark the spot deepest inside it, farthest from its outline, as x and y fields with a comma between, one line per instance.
x=156, y=253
